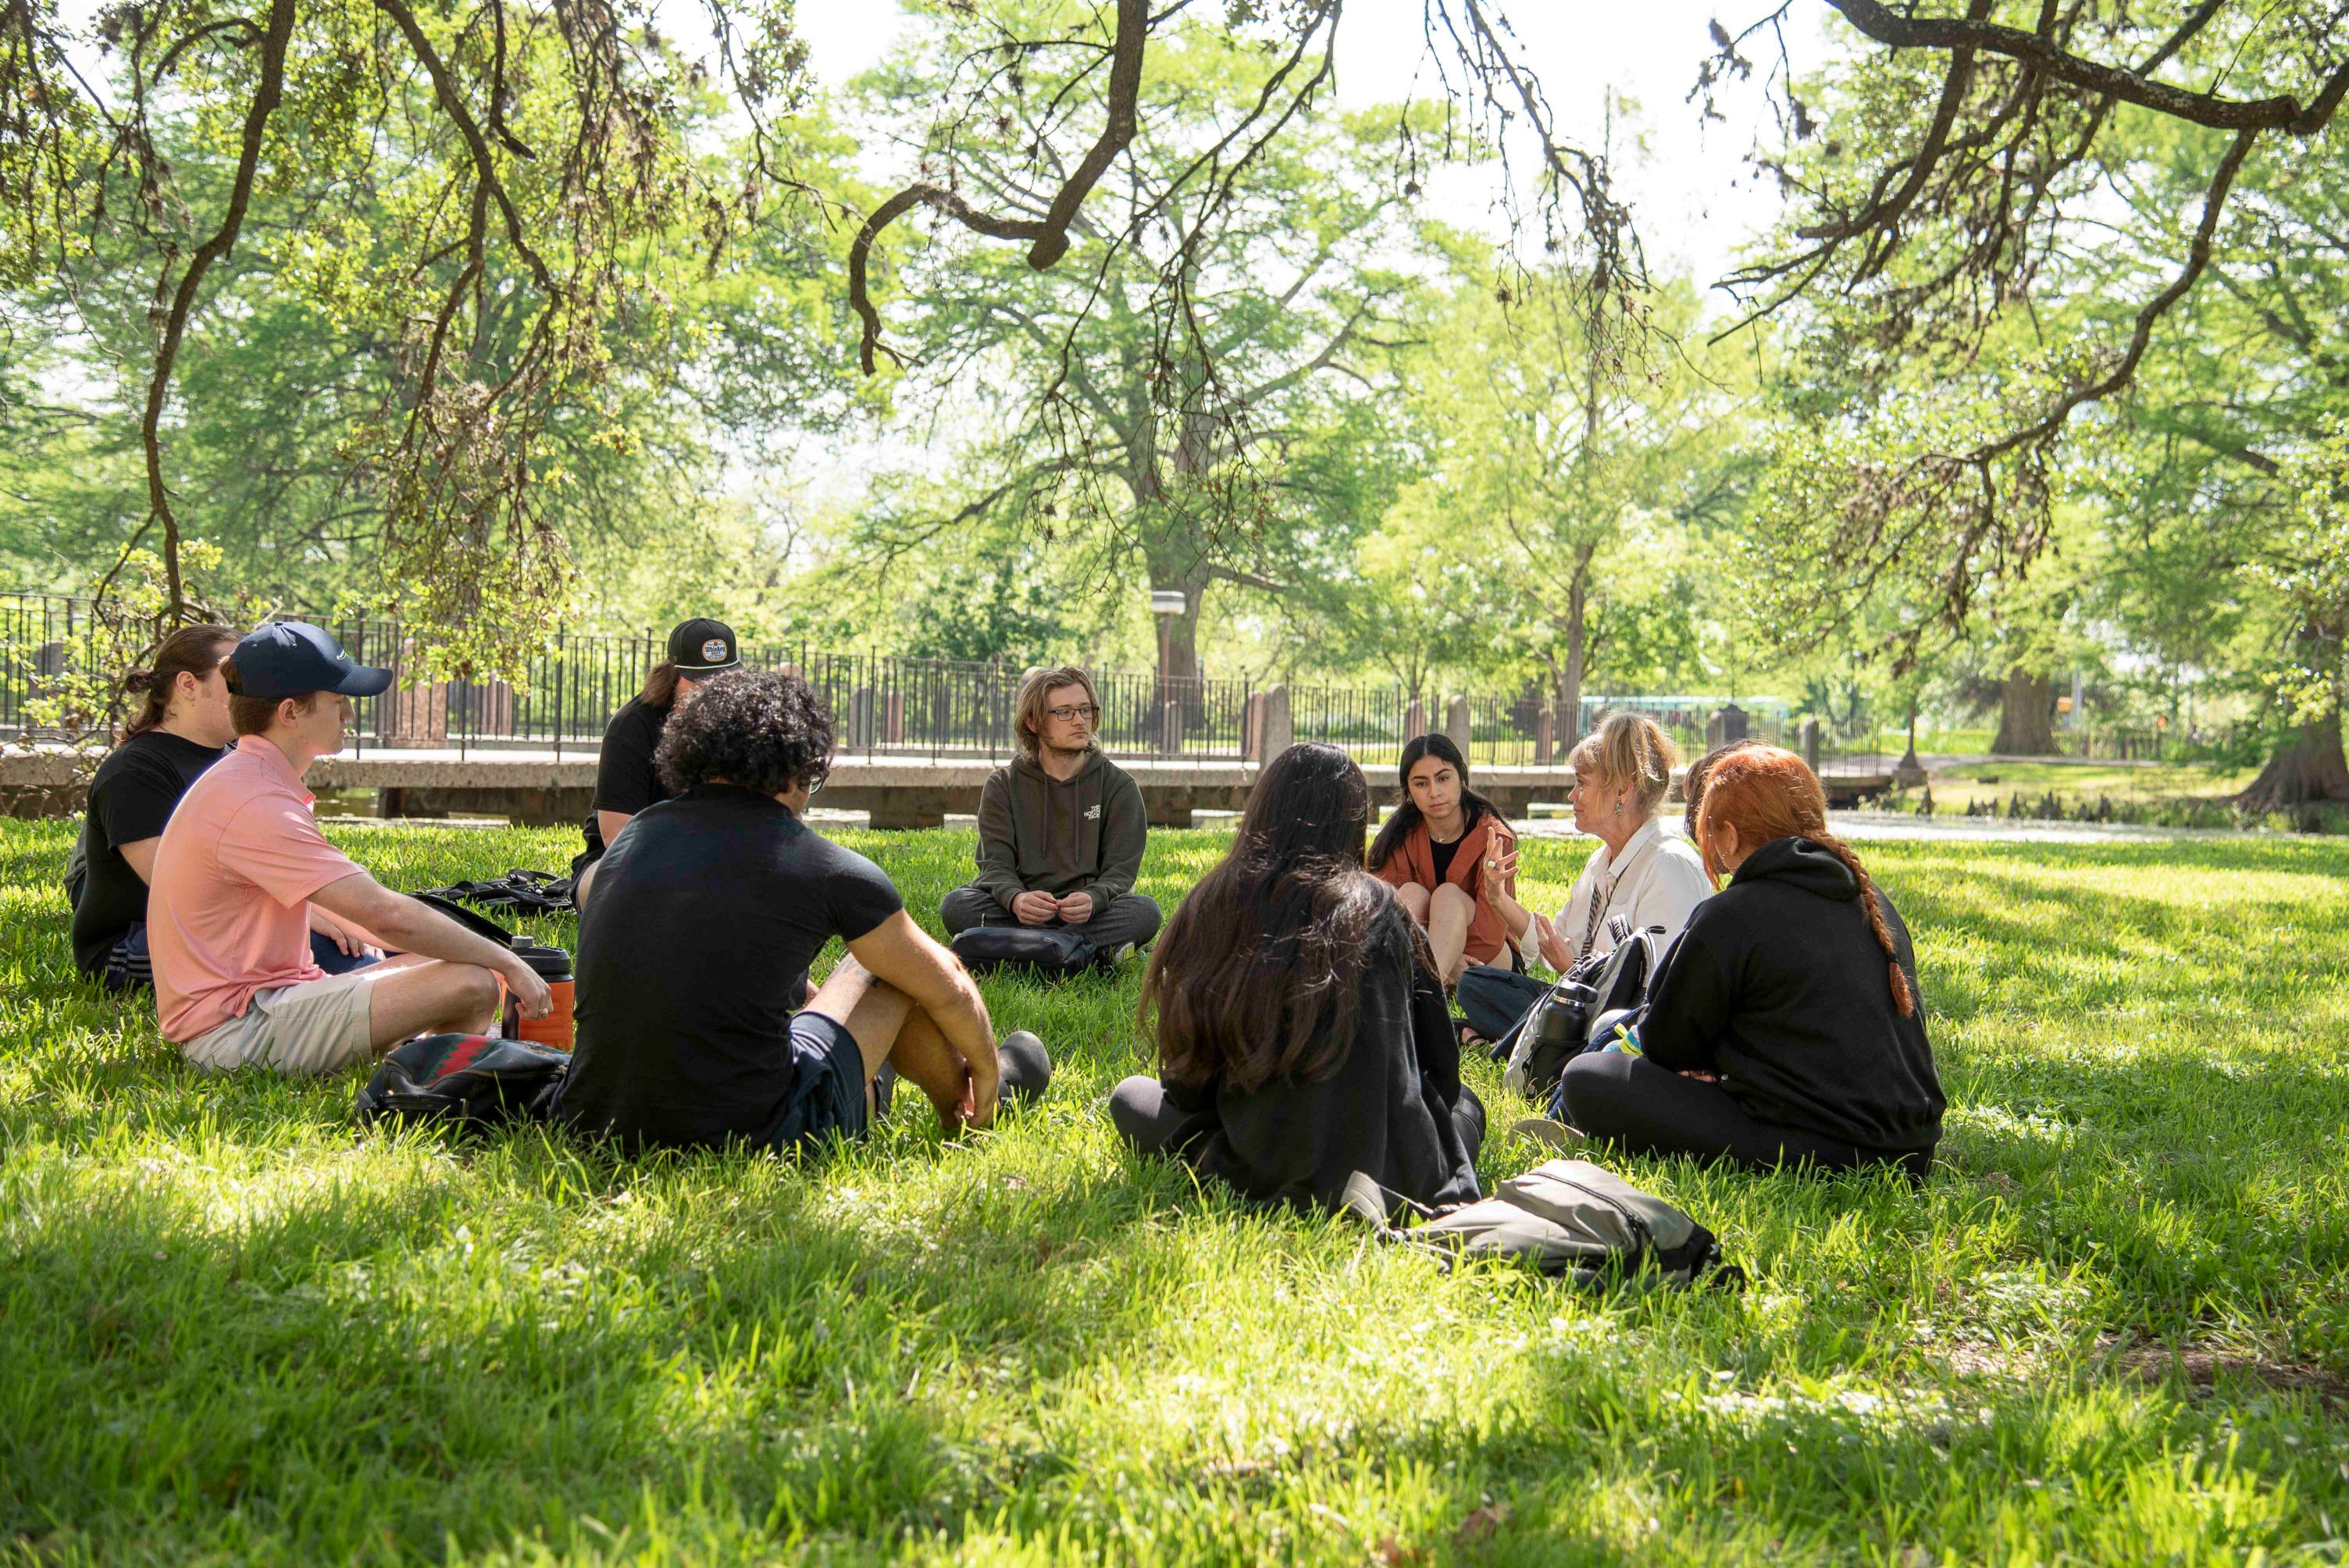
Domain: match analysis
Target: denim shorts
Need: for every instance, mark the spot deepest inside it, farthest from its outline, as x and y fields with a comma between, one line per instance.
x=827, y=1084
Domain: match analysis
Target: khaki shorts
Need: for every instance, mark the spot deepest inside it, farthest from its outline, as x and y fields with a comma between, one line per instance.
x=317, y=1026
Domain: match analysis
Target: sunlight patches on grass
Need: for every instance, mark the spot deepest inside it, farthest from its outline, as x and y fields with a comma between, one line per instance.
x=2109, y=1328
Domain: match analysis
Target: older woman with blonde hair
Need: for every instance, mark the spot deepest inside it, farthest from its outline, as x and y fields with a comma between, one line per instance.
x=1622, y=772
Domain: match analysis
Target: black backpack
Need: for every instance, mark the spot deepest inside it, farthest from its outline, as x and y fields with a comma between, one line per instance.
x=466, y=1080
x=1052, y=952
x=1582, y=1009
x=533, y=893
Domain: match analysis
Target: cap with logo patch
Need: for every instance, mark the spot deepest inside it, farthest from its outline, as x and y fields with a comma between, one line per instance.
x=702, y=648
x=294, y=658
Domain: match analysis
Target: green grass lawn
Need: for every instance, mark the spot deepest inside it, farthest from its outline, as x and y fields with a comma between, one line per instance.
x=1954, y=787
x=2114, y=1327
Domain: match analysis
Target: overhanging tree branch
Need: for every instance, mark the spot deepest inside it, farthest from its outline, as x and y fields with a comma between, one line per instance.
x=268, y=92
x=2280, y=112
x=1047, y=237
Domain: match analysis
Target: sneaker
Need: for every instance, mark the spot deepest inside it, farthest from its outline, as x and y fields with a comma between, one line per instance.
x=1027, y=1067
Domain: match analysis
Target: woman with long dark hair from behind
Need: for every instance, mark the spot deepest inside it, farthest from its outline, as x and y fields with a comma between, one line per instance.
x=1300, y=1026
x=1443, y=853
x=1785, y=1027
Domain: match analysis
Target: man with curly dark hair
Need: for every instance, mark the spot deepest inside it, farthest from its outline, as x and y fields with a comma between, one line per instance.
x=694, y=1023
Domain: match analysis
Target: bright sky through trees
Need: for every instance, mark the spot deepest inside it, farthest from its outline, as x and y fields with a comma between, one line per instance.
x=1695, y=197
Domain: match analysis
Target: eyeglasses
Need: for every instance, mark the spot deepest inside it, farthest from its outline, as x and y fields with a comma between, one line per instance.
x=816, y=776
x=1088, y=713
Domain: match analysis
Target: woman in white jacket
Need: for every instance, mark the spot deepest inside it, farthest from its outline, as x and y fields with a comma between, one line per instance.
x=1622, y=772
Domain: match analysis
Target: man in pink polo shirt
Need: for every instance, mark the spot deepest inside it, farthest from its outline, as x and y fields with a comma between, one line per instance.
x=241, y=861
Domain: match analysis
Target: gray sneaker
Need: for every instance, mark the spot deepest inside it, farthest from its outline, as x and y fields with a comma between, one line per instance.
x=1027, y=1067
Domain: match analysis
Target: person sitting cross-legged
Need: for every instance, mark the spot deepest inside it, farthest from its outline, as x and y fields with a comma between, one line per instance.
x=181, y=729
x=1786, y=1026
x=1621, y=772
x=241, y=862
x=1299, y=1019
x=694, y=1028
x=1060, y=829
x=1451, y=858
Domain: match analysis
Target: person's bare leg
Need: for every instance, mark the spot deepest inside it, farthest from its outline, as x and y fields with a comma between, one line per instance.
x=1447, y=931
x=923, y=1059
x=888, y=1028
x=426, y=995
x=1414, y=901
x=579, y=889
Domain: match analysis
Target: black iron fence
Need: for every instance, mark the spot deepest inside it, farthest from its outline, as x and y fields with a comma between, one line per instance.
x=884, y=706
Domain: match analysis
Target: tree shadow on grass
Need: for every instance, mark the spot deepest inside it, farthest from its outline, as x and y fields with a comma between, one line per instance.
x=2068, y=951
x=432, y=1347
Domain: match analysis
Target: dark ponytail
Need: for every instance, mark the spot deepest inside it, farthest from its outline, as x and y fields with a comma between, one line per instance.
x=1474, y=807
x=191, y=650
x=1903, y=997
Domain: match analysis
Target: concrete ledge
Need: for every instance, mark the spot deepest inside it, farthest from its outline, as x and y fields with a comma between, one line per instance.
x=539, y=787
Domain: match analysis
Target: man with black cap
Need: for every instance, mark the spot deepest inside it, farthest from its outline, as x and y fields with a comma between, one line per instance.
x=625, y=781
x=240, y=864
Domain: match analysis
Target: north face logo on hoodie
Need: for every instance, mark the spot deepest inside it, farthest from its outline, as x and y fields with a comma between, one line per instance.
x=1093, y=812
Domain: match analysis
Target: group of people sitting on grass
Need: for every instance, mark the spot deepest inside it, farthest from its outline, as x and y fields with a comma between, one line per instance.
x=1299, y=1001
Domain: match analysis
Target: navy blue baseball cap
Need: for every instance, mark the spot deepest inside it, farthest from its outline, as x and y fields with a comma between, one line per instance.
x=294, y=658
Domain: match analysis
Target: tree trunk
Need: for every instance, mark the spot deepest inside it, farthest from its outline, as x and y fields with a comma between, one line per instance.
x=1568, y=674
x=1183, y=633
x=2308, y=769
x=2026, y=725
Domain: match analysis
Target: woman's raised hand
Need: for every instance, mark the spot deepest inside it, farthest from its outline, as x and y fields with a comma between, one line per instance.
x=1547, y=943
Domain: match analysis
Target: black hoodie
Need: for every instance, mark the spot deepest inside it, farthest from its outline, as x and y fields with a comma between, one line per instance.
x=1779, y=987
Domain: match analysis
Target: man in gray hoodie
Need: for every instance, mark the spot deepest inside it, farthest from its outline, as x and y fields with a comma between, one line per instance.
x=1060, y=830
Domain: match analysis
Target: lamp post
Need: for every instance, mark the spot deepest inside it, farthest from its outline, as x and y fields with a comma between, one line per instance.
x=1166, y=604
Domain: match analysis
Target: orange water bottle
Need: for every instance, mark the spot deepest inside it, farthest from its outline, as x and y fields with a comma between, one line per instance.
x=552, y=965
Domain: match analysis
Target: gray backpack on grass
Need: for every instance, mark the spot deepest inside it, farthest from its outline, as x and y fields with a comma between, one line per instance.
x=1567, y=1218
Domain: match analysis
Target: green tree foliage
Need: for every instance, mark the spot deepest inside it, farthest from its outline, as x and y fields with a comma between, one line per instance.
x=2016, y=281
x=2212, y=467
x=491, y=211
x=1565, y=487
x=1243, y=450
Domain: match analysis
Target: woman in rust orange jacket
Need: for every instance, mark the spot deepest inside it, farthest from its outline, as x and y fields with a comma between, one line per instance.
x=1438, y=851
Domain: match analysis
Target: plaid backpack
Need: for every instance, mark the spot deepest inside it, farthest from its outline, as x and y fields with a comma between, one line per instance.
x=471, y=1080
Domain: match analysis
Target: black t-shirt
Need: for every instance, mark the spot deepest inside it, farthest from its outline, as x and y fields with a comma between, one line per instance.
x=129, y=800
x=624, y=780
x=1441, y=854
x=693, y=956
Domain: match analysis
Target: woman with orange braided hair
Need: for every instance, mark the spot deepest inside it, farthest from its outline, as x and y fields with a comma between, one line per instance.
x=1785, y=1026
